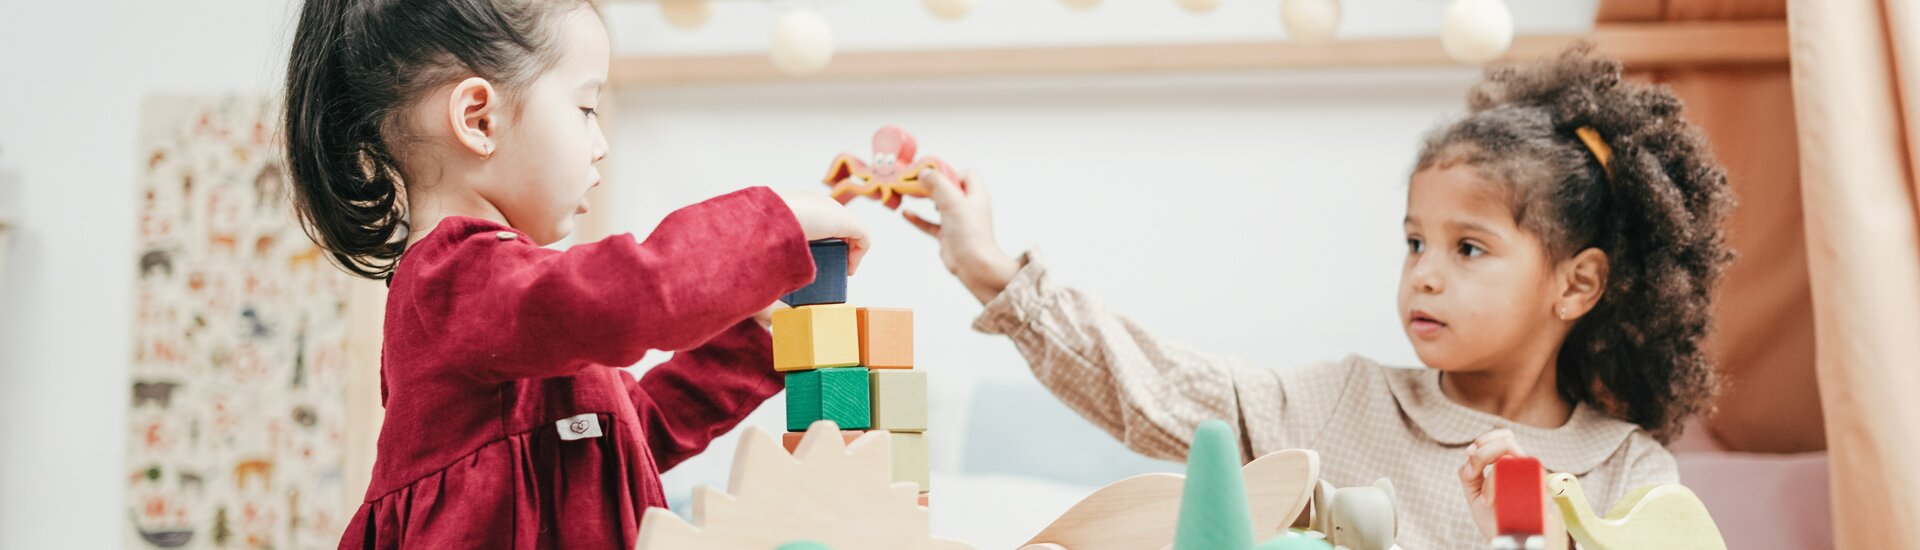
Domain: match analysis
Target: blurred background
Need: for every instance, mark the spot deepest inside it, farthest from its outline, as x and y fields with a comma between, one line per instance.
x=1237, y=190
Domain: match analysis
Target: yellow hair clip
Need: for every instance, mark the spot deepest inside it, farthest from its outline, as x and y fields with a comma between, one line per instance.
x=1601, y=151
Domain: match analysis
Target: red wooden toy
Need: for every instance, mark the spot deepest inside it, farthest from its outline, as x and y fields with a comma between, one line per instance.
x=1519, y=500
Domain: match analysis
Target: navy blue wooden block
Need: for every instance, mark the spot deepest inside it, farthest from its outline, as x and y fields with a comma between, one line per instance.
x=829, y=284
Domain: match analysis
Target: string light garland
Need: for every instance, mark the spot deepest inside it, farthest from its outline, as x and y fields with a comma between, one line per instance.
x=1472, y=31
x=1476, y=31
x=1310, y=22
x=802, y=42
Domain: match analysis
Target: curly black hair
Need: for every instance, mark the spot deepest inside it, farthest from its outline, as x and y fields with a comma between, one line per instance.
x=1658, y=216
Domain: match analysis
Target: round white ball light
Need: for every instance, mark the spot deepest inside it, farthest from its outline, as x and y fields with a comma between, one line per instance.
x=802, y=43
x=1199, y=6
x=948, y=9
x=1311, y=22
x=1081, y=4
x=1477, y=31
x=686, y=14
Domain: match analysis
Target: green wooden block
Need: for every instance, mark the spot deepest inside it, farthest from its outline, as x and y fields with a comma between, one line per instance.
x=838, y=394
x=1213, y=504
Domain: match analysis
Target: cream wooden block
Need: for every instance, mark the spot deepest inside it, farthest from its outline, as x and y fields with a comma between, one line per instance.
x=899, y=400
x=815, y=337
x=910, y=460
x=1140, y=512
x=828, y=491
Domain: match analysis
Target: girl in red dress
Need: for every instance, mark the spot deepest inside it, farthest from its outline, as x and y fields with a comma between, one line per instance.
x=439, y=145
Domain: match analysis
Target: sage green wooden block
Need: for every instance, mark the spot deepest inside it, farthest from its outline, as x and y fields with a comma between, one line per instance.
x=838, y=394
x=899, y=400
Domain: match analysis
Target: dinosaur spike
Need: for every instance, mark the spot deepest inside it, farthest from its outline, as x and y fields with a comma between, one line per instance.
x=1213, y=506
x=823, y=436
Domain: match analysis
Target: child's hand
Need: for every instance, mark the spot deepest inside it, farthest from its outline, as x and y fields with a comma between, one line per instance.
x=822, y=218
x=1479, y=486
x=1473, y=475
x=965, y=232
x=765, y=316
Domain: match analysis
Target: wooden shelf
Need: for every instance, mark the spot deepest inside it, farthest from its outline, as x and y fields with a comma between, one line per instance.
x=1640, y=45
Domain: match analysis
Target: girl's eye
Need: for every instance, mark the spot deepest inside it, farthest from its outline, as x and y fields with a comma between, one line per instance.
x=1414, y=246
x=589, y=111
x=1471, y=250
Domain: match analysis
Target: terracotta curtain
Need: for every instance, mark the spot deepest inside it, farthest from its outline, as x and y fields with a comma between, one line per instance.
x=1855, y=70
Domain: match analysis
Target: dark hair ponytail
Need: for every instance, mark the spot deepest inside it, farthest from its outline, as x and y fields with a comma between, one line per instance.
x=355, y=65
x=1657, y=210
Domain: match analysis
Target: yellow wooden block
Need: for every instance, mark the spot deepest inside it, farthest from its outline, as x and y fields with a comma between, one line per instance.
x=815, y=337
x=910, y=459
x=899, y=399
x=886, y=338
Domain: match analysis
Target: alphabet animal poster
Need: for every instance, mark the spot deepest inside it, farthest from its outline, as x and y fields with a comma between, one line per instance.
x=239, y=330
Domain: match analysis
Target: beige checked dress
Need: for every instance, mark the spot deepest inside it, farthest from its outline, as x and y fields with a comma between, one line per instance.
x=1366, y=421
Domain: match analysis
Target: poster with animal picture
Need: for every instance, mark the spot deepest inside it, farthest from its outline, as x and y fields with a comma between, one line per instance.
x=238, y=374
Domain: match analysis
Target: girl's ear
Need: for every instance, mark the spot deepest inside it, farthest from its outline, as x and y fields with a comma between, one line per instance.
x=1584, y=280
x=470, y=109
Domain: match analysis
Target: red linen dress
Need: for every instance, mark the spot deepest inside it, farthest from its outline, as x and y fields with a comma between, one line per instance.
x=508, y=424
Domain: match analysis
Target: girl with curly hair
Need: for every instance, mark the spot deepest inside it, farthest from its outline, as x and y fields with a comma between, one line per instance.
x=1563, y=244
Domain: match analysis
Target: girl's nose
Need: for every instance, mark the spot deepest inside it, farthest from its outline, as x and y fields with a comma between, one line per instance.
x=1425, y=278
x=599, y=146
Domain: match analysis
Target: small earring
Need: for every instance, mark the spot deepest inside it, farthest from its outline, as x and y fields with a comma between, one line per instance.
x=487, y=151
x=1563, y=313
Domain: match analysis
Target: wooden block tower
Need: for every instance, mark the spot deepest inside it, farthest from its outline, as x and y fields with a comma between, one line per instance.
x=853, y=366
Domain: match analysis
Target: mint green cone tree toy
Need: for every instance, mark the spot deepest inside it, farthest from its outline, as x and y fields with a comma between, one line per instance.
x=1213, y=504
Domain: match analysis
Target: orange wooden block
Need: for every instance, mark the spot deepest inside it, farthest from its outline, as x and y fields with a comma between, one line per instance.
x=791, y=440
x=923, y=500
x=886, y=338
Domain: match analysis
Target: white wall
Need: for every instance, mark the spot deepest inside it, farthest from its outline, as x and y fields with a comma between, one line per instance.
x=1250, y=215
x=74, y=76
x=1254, y=216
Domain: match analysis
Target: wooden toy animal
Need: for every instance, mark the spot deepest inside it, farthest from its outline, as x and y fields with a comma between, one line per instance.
x=1650, y=517
x=1359, y=518
x=894, y=173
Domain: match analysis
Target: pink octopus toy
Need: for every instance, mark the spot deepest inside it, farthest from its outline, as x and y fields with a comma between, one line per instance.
x=893, y=175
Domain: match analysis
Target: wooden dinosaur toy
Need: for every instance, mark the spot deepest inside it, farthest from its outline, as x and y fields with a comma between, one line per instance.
x=1650, y=517
x=828, y=494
